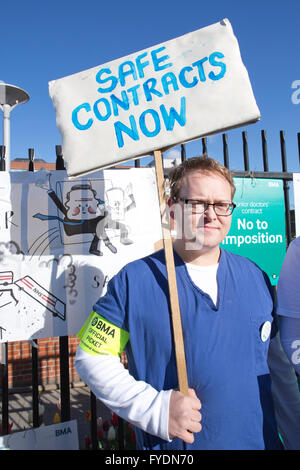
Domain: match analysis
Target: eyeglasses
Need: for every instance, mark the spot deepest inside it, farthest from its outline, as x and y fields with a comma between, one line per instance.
x=222, y=209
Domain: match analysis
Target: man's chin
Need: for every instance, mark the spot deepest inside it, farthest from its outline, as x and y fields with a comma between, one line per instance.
x=194, y=244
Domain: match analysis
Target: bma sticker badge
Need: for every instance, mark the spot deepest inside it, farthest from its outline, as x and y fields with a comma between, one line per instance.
x=99, y=336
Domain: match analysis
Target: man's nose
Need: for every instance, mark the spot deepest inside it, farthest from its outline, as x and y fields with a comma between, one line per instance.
x=210, y=212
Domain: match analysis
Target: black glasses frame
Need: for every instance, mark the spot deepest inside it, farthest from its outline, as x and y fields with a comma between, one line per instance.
x=231, y=205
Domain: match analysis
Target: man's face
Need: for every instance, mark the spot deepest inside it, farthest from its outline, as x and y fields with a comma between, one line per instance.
x=207, y=230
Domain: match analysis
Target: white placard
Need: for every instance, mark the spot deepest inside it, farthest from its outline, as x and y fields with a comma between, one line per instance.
x=61, y=241
x=180, y=90
x=61, y=436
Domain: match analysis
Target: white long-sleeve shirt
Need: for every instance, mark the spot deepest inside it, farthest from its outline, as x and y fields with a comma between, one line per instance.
x=135, y=401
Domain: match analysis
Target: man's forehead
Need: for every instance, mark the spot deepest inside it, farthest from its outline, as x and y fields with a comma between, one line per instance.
x=201, y=178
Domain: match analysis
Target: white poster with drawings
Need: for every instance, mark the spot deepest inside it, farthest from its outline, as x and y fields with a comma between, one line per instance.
x=61, y=241
x=61, y=436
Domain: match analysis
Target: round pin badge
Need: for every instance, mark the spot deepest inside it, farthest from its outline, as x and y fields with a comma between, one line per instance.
x=265, y=331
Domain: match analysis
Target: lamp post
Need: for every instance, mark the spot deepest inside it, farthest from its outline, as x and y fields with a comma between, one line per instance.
x=10, y=97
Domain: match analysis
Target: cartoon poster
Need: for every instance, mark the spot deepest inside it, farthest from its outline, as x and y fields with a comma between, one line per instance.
x=61, y=240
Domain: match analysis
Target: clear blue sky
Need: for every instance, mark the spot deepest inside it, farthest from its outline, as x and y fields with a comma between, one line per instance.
x=43, y=41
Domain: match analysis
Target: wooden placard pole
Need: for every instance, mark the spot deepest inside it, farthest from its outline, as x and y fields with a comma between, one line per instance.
x=170, y=265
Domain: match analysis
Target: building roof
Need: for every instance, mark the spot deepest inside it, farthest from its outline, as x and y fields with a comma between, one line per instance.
x=23, y=164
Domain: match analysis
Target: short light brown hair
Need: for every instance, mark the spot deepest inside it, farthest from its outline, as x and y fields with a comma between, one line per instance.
x=202, y=163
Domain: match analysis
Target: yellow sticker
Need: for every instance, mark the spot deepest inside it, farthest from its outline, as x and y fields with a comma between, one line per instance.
x=99, y=336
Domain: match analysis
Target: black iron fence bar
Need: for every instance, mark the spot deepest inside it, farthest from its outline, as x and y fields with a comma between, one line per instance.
x=245, y=151
x=31, y=159
x=283, y=151
x=34, y=344
x=264, y=150
x=59, y=165
x=121, y=433
x=94, y=424
x=64, y=355
x=64, y=378
x=4, y=360
x=225, y=150
x=35, y=384
x=204, y=145
x=182, y=152
x=261, y=174
x=2, y=153
x=63, y=340
x=285, y=189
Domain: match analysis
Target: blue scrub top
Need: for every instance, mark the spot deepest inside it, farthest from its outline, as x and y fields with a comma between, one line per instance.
x=226, y=358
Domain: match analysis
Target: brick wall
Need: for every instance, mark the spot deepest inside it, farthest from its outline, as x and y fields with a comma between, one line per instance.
x=20, y=362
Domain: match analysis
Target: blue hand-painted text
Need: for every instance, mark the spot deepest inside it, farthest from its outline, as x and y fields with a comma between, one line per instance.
x=150, y=120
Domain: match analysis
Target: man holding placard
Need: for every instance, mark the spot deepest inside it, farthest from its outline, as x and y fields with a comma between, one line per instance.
x=226, y=310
